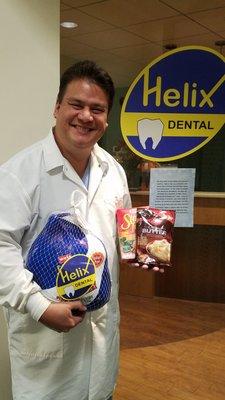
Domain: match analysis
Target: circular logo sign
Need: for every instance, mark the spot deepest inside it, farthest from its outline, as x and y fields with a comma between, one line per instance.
x=176, y=104
x=75, y=277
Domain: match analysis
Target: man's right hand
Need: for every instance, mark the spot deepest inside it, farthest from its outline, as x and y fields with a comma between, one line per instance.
x=59, y=316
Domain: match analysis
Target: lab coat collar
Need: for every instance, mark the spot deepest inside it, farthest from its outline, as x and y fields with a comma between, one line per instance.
x=99, y=153
x=53, y=157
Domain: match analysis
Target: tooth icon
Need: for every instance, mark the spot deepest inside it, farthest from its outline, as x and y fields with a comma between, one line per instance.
x=150, y=128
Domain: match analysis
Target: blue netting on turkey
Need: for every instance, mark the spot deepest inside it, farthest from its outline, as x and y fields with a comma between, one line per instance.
x=61, y=237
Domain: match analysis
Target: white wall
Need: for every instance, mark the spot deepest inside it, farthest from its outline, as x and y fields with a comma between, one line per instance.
x=29, y=66
x=29, y=71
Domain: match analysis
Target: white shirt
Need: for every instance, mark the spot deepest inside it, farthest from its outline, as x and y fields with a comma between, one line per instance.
x=83, y=363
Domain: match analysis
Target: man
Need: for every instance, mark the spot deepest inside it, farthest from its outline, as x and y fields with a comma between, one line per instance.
x=54, y=354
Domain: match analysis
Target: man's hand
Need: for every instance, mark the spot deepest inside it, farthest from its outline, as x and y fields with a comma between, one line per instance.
x=63, y=316
x=145, y=266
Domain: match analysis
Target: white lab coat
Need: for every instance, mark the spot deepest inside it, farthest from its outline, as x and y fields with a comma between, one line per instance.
x=83, y=363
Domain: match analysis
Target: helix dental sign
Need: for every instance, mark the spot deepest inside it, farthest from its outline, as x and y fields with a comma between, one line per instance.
x=176, y=104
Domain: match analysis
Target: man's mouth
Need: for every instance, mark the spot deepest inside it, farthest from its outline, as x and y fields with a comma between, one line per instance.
x=82, y=129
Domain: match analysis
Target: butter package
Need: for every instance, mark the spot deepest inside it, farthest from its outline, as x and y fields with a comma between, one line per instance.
x=126, y=227
x=154, y=236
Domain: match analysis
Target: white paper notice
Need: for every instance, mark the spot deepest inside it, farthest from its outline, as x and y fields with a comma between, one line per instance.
x=173, y=189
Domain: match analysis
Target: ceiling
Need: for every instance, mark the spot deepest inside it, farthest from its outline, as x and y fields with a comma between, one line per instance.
x=123, y=36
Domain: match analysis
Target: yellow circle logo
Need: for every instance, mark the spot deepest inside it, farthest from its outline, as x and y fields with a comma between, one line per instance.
x=75, y=277
x=176, y=104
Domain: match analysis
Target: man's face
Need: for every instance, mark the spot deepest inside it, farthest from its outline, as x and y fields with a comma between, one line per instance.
x=81, y=117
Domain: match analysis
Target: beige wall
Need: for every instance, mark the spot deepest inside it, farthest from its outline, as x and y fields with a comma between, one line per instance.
x=29, y=31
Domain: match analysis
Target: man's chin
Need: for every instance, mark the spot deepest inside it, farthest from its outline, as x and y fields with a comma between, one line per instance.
x=84, y=144
x=86, y=140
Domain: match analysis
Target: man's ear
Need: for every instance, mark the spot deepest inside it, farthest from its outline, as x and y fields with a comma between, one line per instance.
x=56, y=109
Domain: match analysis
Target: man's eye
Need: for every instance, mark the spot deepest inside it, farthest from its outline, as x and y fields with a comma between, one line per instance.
x=76, y=106
x=97, y=110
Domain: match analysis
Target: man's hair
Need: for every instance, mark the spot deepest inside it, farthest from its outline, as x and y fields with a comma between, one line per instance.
x=90, y=71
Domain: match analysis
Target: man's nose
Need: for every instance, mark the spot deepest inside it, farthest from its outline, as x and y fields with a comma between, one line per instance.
x=85, y=115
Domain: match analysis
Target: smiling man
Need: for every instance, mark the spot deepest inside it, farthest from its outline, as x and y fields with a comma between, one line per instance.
x=57, y=350
x=81, y=119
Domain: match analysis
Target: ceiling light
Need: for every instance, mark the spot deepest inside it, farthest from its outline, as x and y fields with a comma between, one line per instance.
x=170, y=46
x=220, y=43
x=69, y=24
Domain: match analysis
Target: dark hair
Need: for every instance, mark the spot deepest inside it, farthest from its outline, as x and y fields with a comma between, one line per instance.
x=90, y=71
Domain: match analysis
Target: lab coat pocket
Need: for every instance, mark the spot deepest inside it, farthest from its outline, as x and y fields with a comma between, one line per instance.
x=32, y=339
x=113, y=202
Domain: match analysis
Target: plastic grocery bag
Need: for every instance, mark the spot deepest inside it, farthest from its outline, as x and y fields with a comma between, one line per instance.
x=69, y=262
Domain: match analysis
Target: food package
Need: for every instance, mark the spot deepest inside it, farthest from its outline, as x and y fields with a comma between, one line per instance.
x=126, y=226
x=69, y=262
x=145, y=235
x=154, y=236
